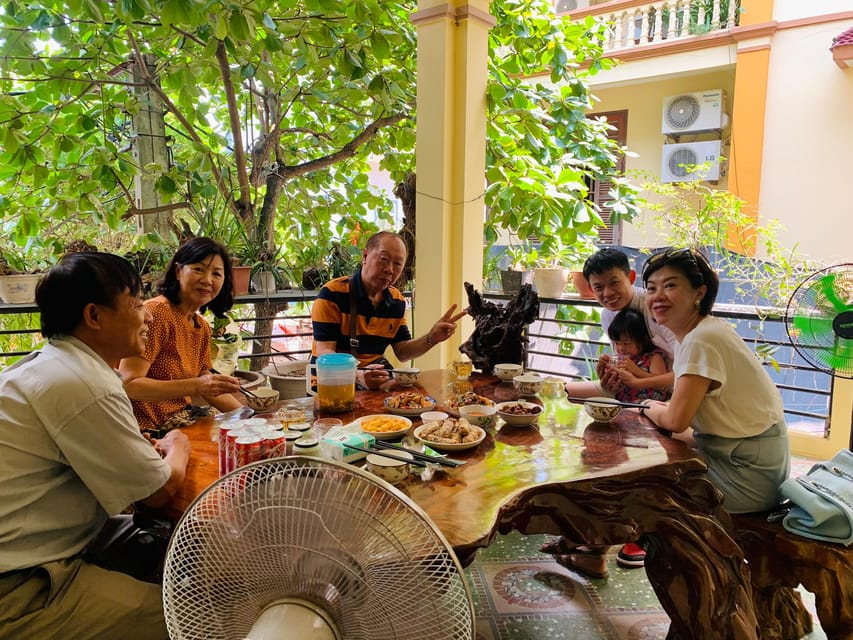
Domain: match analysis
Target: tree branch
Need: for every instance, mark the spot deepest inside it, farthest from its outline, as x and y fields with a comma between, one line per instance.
x=244, y=202
x=347, y=151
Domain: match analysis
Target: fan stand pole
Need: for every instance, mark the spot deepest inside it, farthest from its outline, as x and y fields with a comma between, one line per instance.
x=293, y=618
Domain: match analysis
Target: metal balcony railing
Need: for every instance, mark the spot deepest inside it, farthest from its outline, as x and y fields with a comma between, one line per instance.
x=565, y=341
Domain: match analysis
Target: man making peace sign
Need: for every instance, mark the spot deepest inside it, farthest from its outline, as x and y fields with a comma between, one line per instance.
x=378, y=309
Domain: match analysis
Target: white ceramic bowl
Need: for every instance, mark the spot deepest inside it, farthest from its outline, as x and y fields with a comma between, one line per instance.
x=391, y=471
x=433, y=416
x=528, y=384
x=478, y=414
x=263, y=399
x=601, y=411
x=531, y=413
x=406, y=377
x=506, y=371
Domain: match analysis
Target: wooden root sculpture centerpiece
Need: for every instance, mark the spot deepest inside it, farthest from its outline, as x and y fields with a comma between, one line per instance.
x=499, y=330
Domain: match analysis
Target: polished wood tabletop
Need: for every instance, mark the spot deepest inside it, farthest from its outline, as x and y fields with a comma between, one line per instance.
x=591, y=482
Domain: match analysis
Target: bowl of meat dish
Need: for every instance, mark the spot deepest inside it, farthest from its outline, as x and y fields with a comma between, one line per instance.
x=409, y=403
x=518, y=414
x=478, y=414
x=451, y=434
x=469, y=397
x=506, y=371
x=602, y=409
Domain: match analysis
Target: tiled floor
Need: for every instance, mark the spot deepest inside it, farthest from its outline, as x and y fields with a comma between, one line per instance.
x=521, y=594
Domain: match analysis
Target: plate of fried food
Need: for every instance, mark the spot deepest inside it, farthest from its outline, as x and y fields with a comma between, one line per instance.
x=409, y=403
x=469, y=397
x=450, y=434
x=384, y=427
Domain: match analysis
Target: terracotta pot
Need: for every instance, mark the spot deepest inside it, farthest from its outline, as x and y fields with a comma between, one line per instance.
x=241, y=280
x=582, y=286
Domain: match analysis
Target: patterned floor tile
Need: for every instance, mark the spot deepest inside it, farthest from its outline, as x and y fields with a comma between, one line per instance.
x=521, y=594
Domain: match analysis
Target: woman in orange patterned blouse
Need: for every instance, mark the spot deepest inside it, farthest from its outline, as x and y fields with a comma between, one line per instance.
x=175, y=368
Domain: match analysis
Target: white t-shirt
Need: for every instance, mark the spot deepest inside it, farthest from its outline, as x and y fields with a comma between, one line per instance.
x=745, y=402
x=70, y=453
x=661, y=336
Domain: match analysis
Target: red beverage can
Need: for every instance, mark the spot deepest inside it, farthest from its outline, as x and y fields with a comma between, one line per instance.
x=231, y=446
x=248, y=449
x=275, y=444
x=222, y=441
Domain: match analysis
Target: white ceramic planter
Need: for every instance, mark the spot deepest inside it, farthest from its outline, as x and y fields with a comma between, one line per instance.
x=19, y=288
x=551, y=282
x=264, y=282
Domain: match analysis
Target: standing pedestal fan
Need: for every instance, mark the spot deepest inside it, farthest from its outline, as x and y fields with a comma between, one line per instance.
x=819, y=320
x=308, y=549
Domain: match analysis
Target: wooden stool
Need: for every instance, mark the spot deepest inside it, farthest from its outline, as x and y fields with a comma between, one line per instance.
x=779, y=561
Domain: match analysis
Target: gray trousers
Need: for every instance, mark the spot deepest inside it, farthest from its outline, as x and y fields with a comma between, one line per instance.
x=749, y=471
x=75, y=598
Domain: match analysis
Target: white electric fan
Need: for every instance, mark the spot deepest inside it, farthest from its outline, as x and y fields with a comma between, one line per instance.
x=309, y=549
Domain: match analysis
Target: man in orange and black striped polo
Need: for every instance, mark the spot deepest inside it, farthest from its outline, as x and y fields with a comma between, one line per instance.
x=380, y=313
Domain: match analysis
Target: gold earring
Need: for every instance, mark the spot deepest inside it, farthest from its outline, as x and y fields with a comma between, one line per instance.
x=697, y=302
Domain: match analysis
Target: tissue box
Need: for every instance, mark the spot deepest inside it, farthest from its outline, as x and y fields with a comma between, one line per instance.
x=335, y=447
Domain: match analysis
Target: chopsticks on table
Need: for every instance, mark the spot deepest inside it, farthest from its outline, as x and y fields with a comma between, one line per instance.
x=618, y=403
x=417, y=463
x=418, y=455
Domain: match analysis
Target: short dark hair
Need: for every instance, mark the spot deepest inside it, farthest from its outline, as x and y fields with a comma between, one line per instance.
x=77, y=280
x=693, y=265
x=374, y=240
x=194, y=251
x=630, y=324
x=604, y=260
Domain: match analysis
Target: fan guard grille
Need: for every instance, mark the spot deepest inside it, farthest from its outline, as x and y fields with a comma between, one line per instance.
x=326, y=533
x=682, y=112
x=679, y=160
x=819, y=319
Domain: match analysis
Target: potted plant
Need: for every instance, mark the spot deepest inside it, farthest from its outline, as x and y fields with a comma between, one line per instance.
x=518, y=270
x=20, y=271
x=325, y=263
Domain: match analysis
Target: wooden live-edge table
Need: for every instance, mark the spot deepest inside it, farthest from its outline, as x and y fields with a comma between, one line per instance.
x=593, y=483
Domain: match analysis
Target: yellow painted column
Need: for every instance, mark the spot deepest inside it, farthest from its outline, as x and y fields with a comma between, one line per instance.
x=747, y=143
x=450, y=160
x=748, y=109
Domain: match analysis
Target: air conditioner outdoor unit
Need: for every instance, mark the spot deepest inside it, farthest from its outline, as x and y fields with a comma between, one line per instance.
x=694, y=112
x=677, y=156
x=562, y=6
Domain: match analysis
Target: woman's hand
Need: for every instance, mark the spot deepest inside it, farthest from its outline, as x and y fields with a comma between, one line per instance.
x=211, y=385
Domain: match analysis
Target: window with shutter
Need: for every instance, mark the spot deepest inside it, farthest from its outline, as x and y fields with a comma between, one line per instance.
x=599, y=189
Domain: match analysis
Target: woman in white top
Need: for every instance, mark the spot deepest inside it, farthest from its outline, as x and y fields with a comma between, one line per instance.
x=721, y=389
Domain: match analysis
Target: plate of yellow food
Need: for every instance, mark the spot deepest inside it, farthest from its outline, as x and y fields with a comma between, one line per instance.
x=384, y=427
x=409, y=403
x=450, y=434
